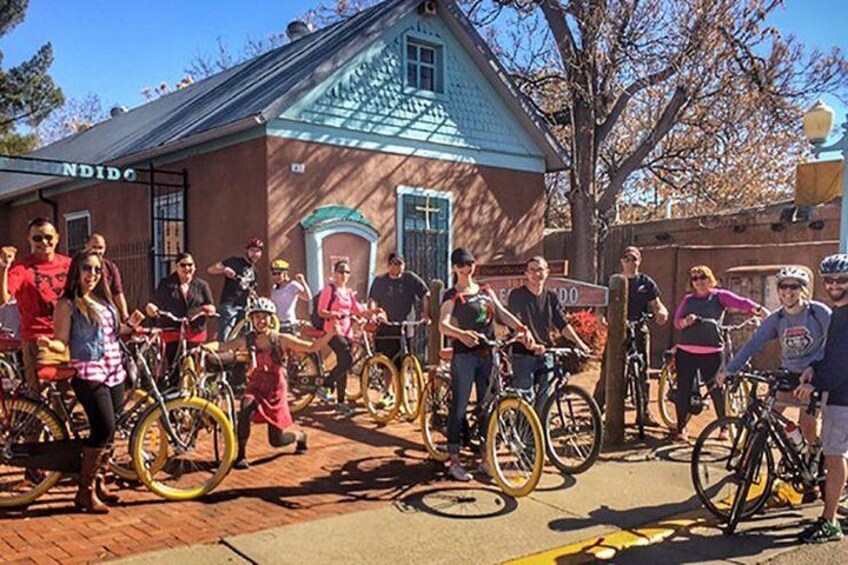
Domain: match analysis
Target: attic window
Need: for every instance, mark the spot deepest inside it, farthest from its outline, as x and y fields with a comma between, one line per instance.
x=424, y=68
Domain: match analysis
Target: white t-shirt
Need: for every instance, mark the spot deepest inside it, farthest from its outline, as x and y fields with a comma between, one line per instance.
x=285, y=299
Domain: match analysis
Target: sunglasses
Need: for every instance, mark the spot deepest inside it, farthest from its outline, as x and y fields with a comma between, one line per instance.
x=277, y=272
x=695, y=278
x=186, y=265
x=629, y=258
x=537, y=269
x=92, y=269
x=465, y=264
x=835, y=280
x=789, y=286
x=344, y=272
x=396, y=263
x=38, y=238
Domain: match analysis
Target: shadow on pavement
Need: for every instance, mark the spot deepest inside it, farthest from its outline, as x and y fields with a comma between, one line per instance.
x=459, y=503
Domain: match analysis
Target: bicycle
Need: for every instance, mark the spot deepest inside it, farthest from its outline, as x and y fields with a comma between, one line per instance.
x=735, y=398
x=636, y=372
x=746, y=464
x=243, y=326
x=411, y=375
x=514, y=442
x=11, y=364
x=379, y=380
x=570, y=417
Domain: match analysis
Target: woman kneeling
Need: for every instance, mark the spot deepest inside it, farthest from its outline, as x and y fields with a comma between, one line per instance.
x=265, y=400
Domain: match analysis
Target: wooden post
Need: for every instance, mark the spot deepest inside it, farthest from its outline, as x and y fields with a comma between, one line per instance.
x=615, y=360
x=434, y=337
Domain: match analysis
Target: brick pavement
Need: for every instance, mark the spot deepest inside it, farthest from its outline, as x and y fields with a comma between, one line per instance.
x=351, y=465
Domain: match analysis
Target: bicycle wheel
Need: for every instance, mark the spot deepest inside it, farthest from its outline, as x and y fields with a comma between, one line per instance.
x=435, y=405
x=666, y=393
x=716, y=469
x=135, y=403
x=219, y=393
x=24, y=421
x=381, y=388
x=353, y=390
x=514, y=446
x=413, y=386
x=200, y=455
x=749, y=471
x=301, y=378
x=571, y=421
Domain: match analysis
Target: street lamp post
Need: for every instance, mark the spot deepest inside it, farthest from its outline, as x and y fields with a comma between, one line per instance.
x=818, y=123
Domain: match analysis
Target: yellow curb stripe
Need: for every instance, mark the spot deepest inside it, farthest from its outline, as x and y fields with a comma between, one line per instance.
x=609, y=545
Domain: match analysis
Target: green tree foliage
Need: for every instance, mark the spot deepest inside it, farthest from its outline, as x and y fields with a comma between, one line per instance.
x=27, y=93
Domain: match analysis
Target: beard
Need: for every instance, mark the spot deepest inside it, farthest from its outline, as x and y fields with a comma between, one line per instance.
x=836, y=294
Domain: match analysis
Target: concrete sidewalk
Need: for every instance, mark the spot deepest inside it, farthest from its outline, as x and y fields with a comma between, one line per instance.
x=476, y=524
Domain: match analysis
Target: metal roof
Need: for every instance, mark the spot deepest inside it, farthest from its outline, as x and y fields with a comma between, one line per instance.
x=256, y=91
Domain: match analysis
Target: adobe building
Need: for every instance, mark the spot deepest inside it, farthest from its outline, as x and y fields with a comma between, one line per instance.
x=394, y=129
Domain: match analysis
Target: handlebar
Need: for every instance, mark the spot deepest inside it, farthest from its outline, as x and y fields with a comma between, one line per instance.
x=643, y=319
x=404, y=324
x=568, y=352
x=774, y=380
x=499, y=343
x=186, y=319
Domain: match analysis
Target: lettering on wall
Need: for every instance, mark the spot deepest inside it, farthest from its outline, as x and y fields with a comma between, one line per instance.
x=98, y=172
x=571, y=293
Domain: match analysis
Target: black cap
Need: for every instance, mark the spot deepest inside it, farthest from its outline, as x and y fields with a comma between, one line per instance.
x=461, y=256
x=396, y=257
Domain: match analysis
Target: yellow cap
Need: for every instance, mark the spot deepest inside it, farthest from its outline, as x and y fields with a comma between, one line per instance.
x=280, y=265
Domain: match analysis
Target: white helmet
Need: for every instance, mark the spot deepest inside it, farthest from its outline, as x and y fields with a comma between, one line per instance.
x=262, y=304
x=795, y=273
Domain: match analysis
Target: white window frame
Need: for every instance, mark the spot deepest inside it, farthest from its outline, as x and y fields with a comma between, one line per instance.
x=438, y=65
x=72, y=217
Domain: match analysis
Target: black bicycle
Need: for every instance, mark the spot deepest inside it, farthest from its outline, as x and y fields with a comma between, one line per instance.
x=636, y=372
x=570, y=417
x=733, y=477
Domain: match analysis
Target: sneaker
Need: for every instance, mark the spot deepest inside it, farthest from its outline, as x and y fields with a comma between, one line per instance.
x=324, y=394
x=241, y=464
x=458, y=472
x=822, y=531
x=300, y=447
x=344, y=410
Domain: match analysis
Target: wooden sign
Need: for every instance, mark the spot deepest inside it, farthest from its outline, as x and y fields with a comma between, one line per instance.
x=557, y=267
x=571, y=293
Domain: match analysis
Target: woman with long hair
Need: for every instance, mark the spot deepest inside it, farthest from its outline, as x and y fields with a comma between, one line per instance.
x=700, y=345
x=87, y=325
x=467, y=316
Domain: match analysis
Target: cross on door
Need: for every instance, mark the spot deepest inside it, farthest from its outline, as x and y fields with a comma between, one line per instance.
x=427, y=211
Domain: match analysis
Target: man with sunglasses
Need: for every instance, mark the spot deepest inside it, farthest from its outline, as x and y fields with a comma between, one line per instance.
x=643, y=295
x=830, y=375
x=240, y=282
x=36, y=282
x=397, y=292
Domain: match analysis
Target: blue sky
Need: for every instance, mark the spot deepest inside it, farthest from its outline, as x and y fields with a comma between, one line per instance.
x=115, y=48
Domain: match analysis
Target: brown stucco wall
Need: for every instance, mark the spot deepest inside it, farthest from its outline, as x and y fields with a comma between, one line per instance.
x=497, y=213
x=226, y=204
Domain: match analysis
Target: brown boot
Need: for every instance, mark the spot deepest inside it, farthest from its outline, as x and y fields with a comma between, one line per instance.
x=86, y=499
x=103, y=492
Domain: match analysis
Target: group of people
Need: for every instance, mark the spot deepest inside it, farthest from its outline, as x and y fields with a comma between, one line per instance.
x=811, y=336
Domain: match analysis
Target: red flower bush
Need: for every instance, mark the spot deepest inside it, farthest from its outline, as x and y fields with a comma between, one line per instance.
x=590, y=327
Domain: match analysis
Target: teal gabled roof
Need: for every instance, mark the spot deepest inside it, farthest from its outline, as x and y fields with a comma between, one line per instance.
x=334, y=213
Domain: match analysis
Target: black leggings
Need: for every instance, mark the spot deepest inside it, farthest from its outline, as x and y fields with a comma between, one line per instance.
x=344, y=360
x=688, y=365
x=101, y=404
x=276, y=436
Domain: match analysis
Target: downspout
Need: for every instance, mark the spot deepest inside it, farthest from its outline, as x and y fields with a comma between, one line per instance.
x=54, y=206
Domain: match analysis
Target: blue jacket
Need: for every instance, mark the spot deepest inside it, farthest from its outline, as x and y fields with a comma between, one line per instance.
x=831, y=373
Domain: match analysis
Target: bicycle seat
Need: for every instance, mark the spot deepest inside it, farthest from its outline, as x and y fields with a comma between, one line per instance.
x=55, y=372
x=9, y=344
x=446, y=354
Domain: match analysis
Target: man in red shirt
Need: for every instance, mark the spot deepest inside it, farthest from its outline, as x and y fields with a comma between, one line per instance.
x=36, y=281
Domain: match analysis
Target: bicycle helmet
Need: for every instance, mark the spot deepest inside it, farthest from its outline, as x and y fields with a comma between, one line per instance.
x=280, y=265
x=795, y=273
x=836, y=264
x=262, y=304
x=254, y=242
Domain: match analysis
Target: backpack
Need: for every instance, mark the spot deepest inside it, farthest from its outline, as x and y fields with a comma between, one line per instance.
x=318, y=321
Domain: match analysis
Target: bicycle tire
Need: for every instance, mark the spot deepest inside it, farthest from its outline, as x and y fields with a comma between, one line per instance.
x=23, y=412
x=737, y=511
x=666, y=393
x=123, y=434
x=412, y=381
x=554, y=410
x=299, y=396
x=435, y=406
x=353, y=390
x=380, y=381
x=703, y=449
x=212, y=417
x=498, y=429
x=639, y=400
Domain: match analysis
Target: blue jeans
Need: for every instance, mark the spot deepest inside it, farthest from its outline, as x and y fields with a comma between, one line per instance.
x=467, y=369
x=230, y=316
x=532, y=385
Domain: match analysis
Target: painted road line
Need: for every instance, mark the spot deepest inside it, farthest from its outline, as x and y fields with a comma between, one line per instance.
x=609, y=545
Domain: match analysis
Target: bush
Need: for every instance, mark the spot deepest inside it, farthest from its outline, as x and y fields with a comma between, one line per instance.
x=591, y=328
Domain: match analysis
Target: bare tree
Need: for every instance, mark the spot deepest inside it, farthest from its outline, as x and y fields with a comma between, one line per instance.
x=74, y=116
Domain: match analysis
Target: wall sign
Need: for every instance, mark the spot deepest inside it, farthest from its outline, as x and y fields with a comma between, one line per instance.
x=571, y=293
x=99, y=172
